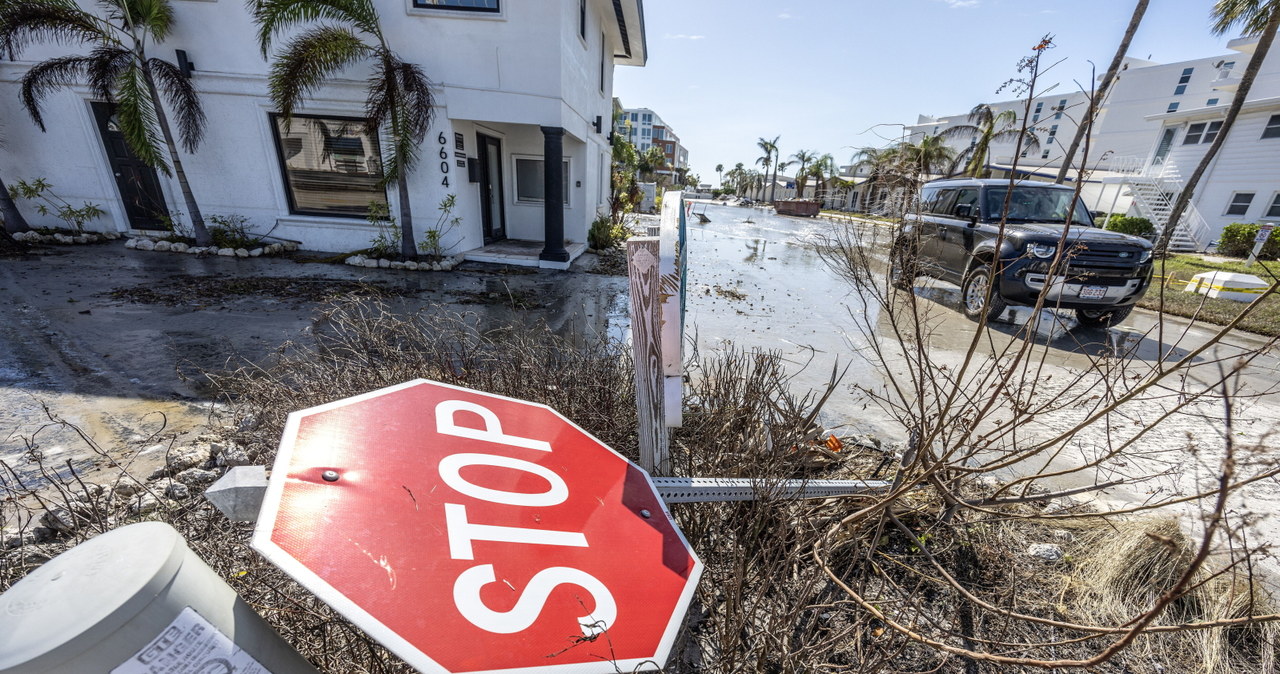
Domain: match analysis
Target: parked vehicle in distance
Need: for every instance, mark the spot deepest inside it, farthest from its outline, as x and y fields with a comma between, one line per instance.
x=954, y=236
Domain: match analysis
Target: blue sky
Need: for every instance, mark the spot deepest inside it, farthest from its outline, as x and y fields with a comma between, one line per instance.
x=822, y=73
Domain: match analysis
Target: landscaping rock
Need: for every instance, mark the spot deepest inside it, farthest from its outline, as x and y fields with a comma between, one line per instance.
x=177, y=491
x=163, y=246
x=60, y=520
x=241, y=252
x=384, y=264
x=145, y=504
x=182, y=458
x=226, y=252
x=179, y=247
x=130, y=244
x=397, y=265
x=126, y=490
x=196, y=477
x=411, y=266
x=145, y=244
x=1048, y=552
x=232, y=455
x=256, y=252
x=371, y=264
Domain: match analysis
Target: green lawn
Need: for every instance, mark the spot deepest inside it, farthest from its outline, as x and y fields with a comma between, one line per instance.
x=1178, y=269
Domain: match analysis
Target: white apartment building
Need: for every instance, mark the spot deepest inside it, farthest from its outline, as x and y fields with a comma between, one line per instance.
x=1181, y=107
x=1153, y=129
x=644, y=129
x=517, y=85
x=1054, y=118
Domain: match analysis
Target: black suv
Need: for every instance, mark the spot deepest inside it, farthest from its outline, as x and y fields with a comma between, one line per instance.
x=953, y=237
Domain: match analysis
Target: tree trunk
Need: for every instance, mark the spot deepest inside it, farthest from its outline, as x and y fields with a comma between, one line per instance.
x=773, y=185
x=188, y=197
x=8, y=244
x=408, y=248
x=1246, y=82
x=13, y=220
x=1086, y=124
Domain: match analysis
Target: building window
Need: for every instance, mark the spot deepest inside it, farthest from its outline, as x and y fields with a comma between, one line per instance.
x=530, y=180
x=635, y=117
x=1044, y=155
x=1240, y=202
x=1162, y=149
x=1062, y=105
x=1193, y=134
x=604, y=50
x=490, y=6
x=582, y=19
x=648, y=118
x=1211, y=102
x=1212, y=132
x=1173, y=107
x=1273, y=211
x=331, y=166
x=1273, y=127
x=1180, y=90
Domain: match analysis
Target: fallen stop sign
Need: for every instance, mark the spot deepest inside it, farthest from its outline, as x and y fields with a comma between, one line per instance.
x=470, y=532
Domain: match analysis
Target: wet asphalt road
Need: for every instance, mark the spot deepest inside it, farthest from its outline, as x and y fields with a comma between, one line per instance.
x=112, y=366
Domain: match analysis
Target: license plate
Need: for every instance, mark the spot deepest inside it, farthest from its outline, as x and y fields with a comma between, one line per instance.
x=1093, y=292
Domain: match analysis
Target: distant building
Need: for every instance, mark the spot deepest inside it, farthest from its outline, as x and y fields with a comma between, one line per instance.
x=645, y=129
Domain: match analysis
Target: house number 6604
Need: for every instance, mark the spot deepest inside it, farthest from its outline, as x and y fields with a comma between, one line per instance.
x=444, y=159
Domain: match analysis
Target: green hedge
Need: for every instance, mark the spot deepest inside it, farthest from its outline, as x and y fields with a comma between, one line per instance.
x=1131, y=225
x=1238, y=237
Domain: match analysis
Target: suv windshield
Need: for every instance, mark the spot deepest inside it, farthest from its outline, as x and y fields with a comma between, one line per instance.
x=1034, y=204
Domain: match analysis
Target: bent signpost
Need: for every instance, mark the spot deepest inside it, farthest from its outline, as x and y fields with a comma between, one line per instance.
x=469, y=532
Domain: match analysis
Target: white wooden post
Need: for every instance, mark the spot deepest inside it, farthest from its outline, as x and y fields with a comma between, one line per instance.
x=646, y=348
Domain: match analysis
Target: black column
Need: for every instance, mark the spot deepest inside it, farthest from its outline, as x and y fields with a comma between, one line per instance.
x=553, y=192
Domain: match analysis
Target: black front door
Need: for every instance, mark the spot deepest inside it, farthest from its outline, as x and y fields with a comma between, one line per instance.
x=495, y=228
x=139, y=187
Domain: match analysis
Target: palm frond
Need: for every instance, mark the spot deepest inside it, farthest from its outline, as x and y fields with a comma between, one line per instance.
x=48, y=76
x=108, y=62
x=1252, y=15
x=1030, y=142
x=154, y=17
x=61, y=21
x=963, y=130
x=273, y=16
x=137, y=117
x=183, y=99
x=308, y=60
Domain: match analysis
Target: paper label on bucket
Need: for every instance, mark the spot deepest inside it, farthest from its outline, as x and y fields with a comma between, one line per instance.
x=191, y=645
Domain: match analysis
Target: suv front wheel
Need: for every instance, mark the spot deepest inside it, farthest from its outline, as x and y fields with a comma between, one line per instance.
x=978, y=298
x=1102, y=318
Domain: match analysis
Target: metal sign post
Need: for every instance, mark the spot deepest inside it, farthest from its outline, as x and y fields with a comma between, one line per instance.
x=1264, y=233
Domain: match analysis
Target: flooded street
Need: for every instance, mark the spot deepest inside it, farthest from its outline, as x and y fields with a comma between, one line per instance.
x=113, y=341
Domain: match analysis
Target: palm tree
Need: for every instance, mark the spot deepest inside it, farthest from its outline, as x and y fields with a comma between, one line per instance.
x=884, y=171
x=1259, y=17
x=770, y=148
x=720, y=175
x=13, y=220
x=116, y=70
x=803, y=158
x=823, y=166
x=931, y=156
x=986, y=126
x=1103, y=87
x=649, y=162
x=397, y=96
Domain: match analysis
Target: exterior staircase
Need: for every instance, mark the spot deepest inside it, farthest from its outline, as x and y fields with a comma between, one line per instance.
x=1153, y=192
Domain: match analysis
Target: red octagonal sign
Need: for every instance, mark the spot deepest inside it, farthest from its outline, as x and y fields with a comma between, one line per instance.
x=470, y=532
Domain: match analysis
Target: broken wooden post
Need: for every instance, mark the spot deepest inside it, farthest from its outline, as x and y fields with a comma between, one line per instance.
x=646, y=349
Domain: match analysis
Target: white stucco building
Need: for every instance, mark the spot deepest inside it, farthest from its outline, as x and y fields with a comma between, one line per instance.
x=1153, y=129
x=514, y=82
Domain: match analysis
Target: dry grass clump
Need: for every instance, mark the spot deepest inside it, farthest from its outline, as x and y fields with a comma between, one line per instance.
x=1125, y=566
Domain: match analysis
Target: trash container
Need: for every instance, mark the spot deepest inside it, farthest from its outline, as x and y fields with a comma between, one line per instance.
x=135, y=600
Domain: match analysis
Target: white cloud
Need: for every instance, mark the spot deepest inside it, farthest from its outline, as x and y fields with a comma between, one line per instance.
x=784, y=15
x=682, y=36
x=961, y=4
